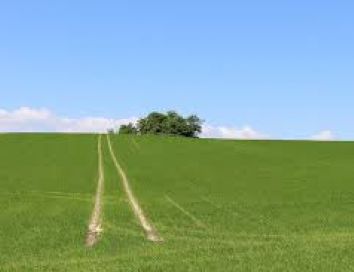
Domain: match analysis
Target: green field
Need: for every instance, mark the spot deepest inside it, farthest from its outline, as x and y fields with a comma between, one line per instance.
x=219, y=205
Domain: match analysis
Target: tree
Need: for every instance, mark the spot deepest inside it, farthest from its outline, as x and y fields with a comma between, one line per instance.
x=128, y=129
x=170, y=123
x=154, y=123
x=194, y=125
x=175, y=124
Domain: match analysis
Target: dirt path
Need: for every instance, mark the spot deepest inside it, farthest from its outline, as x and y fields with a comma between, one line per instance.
x=150, y=231
x=95, y=229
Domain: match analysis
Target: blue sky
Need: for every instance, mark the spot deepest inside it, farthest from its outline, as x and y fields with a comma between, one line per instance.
x=284, y=68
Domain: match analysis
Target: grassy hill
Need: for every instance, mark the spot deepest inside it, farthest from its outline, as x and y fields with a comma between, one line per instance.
x=219, y=205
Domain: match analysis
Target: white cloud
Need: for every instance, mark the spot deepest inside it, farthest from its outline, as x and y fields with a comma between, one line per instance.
x=26, y=119
x=325, y=135
x=246, y=133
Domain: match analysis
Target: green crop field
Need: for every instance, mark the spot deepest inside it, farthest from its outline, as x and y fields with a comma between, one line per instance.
x=218, y=205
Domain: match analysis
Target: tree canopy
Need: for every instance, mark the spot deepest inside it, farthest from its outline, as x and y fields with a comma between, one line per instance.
x=170, y=123
x=128, y=129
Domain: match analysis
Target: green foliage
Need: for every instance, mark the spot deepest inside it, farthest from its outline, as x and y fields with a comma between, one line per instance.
x=154, y=123
x=170, y=123
x=128, y=129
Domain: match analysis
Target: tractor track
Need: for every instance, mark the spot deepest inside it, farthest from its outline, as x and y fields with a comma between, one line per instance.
x=95, y=225
x=150, y=231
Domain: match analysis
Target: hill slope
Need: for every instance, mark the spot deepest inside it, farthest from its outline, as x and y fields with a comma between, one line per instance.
x=219, y=205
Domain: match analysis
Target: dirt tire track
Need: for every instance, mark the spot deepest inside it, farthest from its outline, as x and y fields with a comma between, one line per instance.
x=150, y=231
x=95, y=229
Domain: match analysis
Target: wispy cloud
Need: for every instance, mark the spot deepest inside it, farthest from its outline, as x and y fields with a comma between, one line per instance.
x=26, y=119
x=246, y=132
x=325, y=135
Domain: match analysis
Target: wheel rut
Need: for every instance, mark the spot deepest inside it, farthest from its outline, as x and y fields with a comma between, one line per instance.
x=95, y=226
x=150, y=231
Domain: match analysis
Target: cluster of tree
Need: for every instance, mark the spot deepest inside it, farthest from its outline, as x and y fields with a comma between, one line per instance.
x=170, y=123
